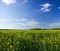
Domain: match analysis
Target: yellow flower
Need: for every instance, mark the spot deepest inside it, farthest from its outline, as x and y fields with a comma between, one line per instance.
x=13, y=50
x=11, y=46
x=8, y=43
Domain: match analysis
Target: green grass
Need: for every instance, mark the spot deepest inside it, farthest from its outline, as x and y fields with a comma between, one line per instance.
x=29, y=40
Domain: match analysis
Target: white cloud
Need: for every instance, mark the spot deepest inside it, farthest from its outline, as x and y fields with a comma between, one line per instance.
x=45, y=7
x=58, y=7
x=25, y=23
x=9, y=23
x=8, y=2
x=25, y=1
x=54, y=25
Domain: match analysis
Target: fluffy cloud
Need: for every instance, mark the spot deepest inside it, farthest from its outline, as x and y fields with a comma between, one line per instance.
x=8, y=2
x=45, y=7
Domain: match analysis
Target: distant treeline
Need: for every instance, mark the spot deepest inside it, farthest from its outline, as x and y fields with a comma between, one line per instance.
x=45, y=29
x=33, y=29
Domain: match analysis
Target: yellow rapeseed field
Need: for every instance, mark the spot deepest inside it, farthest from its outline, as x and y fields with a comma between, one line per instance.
x=29, y=40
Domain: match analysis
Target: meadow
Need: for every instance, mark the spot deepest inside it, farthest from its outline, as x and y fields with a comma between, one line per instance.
x=29, y=40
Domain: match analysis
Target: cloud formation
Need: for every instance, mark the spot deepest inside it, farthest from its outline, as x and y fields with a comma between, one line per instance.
x=54, y=25
x=58, y=7
x=8, y=2
x=45, y=7
x=26, y=23
x=10, y=23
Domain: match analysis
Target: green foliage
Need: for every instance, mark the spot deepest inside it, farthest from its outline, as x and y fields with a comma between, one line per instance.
x=29, y=40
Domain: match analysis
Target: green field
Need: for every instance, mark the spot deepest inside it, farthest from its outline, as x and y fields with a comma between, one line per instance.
x=29, y=40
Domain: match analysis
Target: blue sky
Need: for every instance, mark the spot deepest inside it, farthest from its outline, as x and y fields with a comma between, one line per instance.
x=25, y=14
